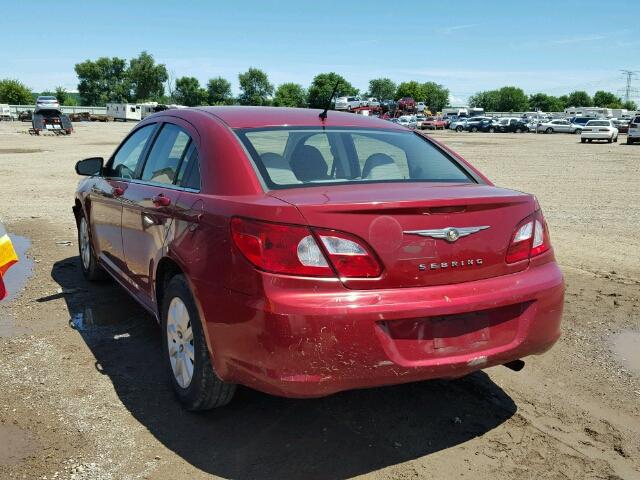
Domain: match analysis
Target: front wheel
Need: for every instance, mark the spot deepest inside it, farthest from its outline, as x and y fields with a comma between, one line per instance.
x=492, y=130
x=185, y=349
x=474, y=129
x=583, y=140
x=459, y=128
x=518, y=130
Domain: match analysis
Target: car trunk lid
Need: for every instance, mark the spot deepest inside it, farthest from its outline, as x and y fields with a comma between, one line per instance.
x=406, y=224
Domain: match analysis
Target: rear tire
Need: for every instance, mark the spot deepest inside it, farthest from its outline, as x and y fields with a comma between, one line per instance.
x=583, y=140
x=549, y=130
x=185, y=350
x=89, y=265
x=615, y=140
x=629, y=141
x=518, y=130
x=459, y=128
x=492, y=130
x=609, y=140
x=474, y=129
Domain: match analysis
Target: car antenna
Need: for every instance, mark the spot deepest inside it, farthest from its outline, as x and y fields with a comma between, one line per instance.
x=323, y=114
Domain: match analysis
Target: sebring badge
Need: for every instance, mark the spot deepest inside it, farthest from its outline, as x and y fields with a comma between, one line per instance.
x=450, y=234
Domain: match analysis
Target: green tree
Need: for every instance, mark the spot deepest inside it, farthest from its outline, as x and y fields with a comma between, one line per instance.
x=61, y=95
x=255, y=88
x=189, y=92
x=512, y=99
x=219, y=92
x=579, y=99
x=147, y=78
x=435, y=96
x=322, y=86
x=104, y=80
x=488, y=100
x=546, y=103
x=411, y=89
x=606, y=99
x=382, y=88
x=14, y=92
x=564, y=99
x=290, y=95
x=630, y=105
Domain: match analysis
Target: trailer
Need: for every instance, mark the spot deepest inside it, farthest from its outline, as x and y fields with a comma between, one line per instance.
x=124, y=112
x=53, y=121
x=5, y=112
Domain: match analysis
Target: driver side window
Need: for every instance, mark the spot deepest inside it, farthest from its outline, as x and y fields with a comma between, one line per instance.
x=126, y=159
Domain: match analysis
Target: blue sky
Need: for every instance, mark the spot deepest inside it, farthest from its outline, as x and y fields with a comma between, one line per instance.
x=550, y=46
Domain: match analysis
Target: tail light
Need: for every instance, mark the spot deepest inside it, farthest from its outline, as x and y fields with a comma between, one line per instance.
x=294, y=250
x=530, y=238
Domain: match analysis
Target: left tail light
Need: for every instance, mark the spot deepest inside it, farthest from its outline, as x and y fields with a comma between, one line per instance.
x=530, y=238
x=297, y=250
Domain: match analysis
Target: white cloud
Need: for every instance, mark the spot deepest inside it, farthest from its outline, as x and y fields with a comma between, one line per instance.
x=455, y=28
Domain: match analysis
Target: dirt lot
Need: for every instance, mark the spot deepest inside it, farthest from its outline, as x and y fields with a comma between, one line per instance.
x=82, y=394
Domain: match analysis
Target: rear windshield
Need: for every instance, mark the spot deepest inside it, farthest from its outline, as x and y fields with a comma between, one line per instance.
x=297, y=157
x=598, y=123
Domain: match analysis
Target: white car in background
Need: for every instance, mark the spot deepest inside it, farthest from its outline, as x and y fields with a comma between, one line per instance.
x=348, y=103
x=420, y=107
x=634, y=131
x=47, y=102
x=408, y=121
x=373, y=102
x=599, y=130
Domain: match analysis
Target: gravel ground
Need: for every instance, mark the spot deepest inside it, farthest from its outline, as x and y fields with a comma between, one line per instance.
x=82, y=394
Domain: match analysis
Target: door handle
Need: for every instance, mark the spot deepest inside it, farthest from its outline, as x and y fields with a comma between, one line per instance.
x=161, y=201
x=117, y=191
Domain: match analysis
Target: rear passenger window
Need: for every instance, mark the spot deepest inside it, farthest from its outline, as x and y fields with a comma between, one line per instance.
x=126, y=158
x=189, y=176
x=166, y=154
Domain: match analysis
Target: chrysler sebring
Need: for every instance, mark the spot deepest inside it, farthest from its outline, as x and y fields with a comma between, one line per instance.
x=302, y=254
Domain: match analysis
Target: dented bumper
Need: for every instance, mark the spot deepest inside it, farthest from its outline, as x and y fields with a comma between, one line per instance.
x=296, y=341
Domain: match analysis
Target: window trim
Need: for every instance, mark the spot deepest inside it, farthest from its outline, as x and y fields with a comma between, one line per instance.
x=143, y=154
x=138, y=174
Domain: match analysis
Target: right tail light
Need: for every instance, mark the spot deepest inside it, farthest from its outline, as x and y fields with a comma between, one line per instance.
x=530, y=238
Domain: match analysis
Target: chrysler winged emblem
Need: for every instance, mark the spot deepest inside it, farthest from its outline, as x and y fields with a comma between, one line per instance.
x=450, y=234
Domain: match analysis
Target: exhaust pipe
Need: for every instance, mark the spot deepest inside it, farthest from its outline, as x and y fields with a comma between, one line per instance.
x=515, y=365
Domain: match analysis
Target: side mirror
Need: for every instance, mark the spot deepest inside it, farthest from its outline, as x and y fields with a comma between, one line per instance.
x=90, y=166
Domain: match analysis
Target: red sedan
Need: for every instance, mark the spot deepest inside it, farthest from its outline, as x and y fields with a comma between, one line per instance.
x=302, y=255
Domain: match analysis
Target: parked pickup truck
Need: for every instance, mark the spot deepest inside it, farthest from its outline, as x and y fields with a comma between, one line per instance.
x=407, y=104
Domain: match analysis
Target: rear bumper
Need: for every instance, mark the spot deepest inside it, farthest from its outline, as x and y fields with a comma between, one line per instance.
x=597, y=135
x=301, y=341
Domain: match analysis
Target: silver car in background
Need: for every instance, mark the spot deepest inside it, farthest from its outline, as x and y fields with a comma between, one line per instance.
x=348, y=103
x=47, y=102
x=558, y=126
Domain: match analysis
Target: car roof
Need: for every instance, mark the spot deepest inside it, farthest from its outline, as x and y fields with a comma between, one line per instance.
x=261, y=117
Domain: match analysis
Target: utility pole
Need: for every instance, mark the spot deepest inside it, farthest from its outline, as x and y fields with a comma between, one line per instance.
x=628, y=90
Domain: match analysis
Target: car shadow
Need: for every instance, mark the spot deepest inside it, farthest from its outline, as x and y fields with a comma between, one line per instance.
x=261, y=436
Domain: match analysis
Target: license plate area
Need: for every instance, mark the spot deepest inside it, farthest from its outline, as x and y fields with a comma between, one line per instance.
x=443, y=336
